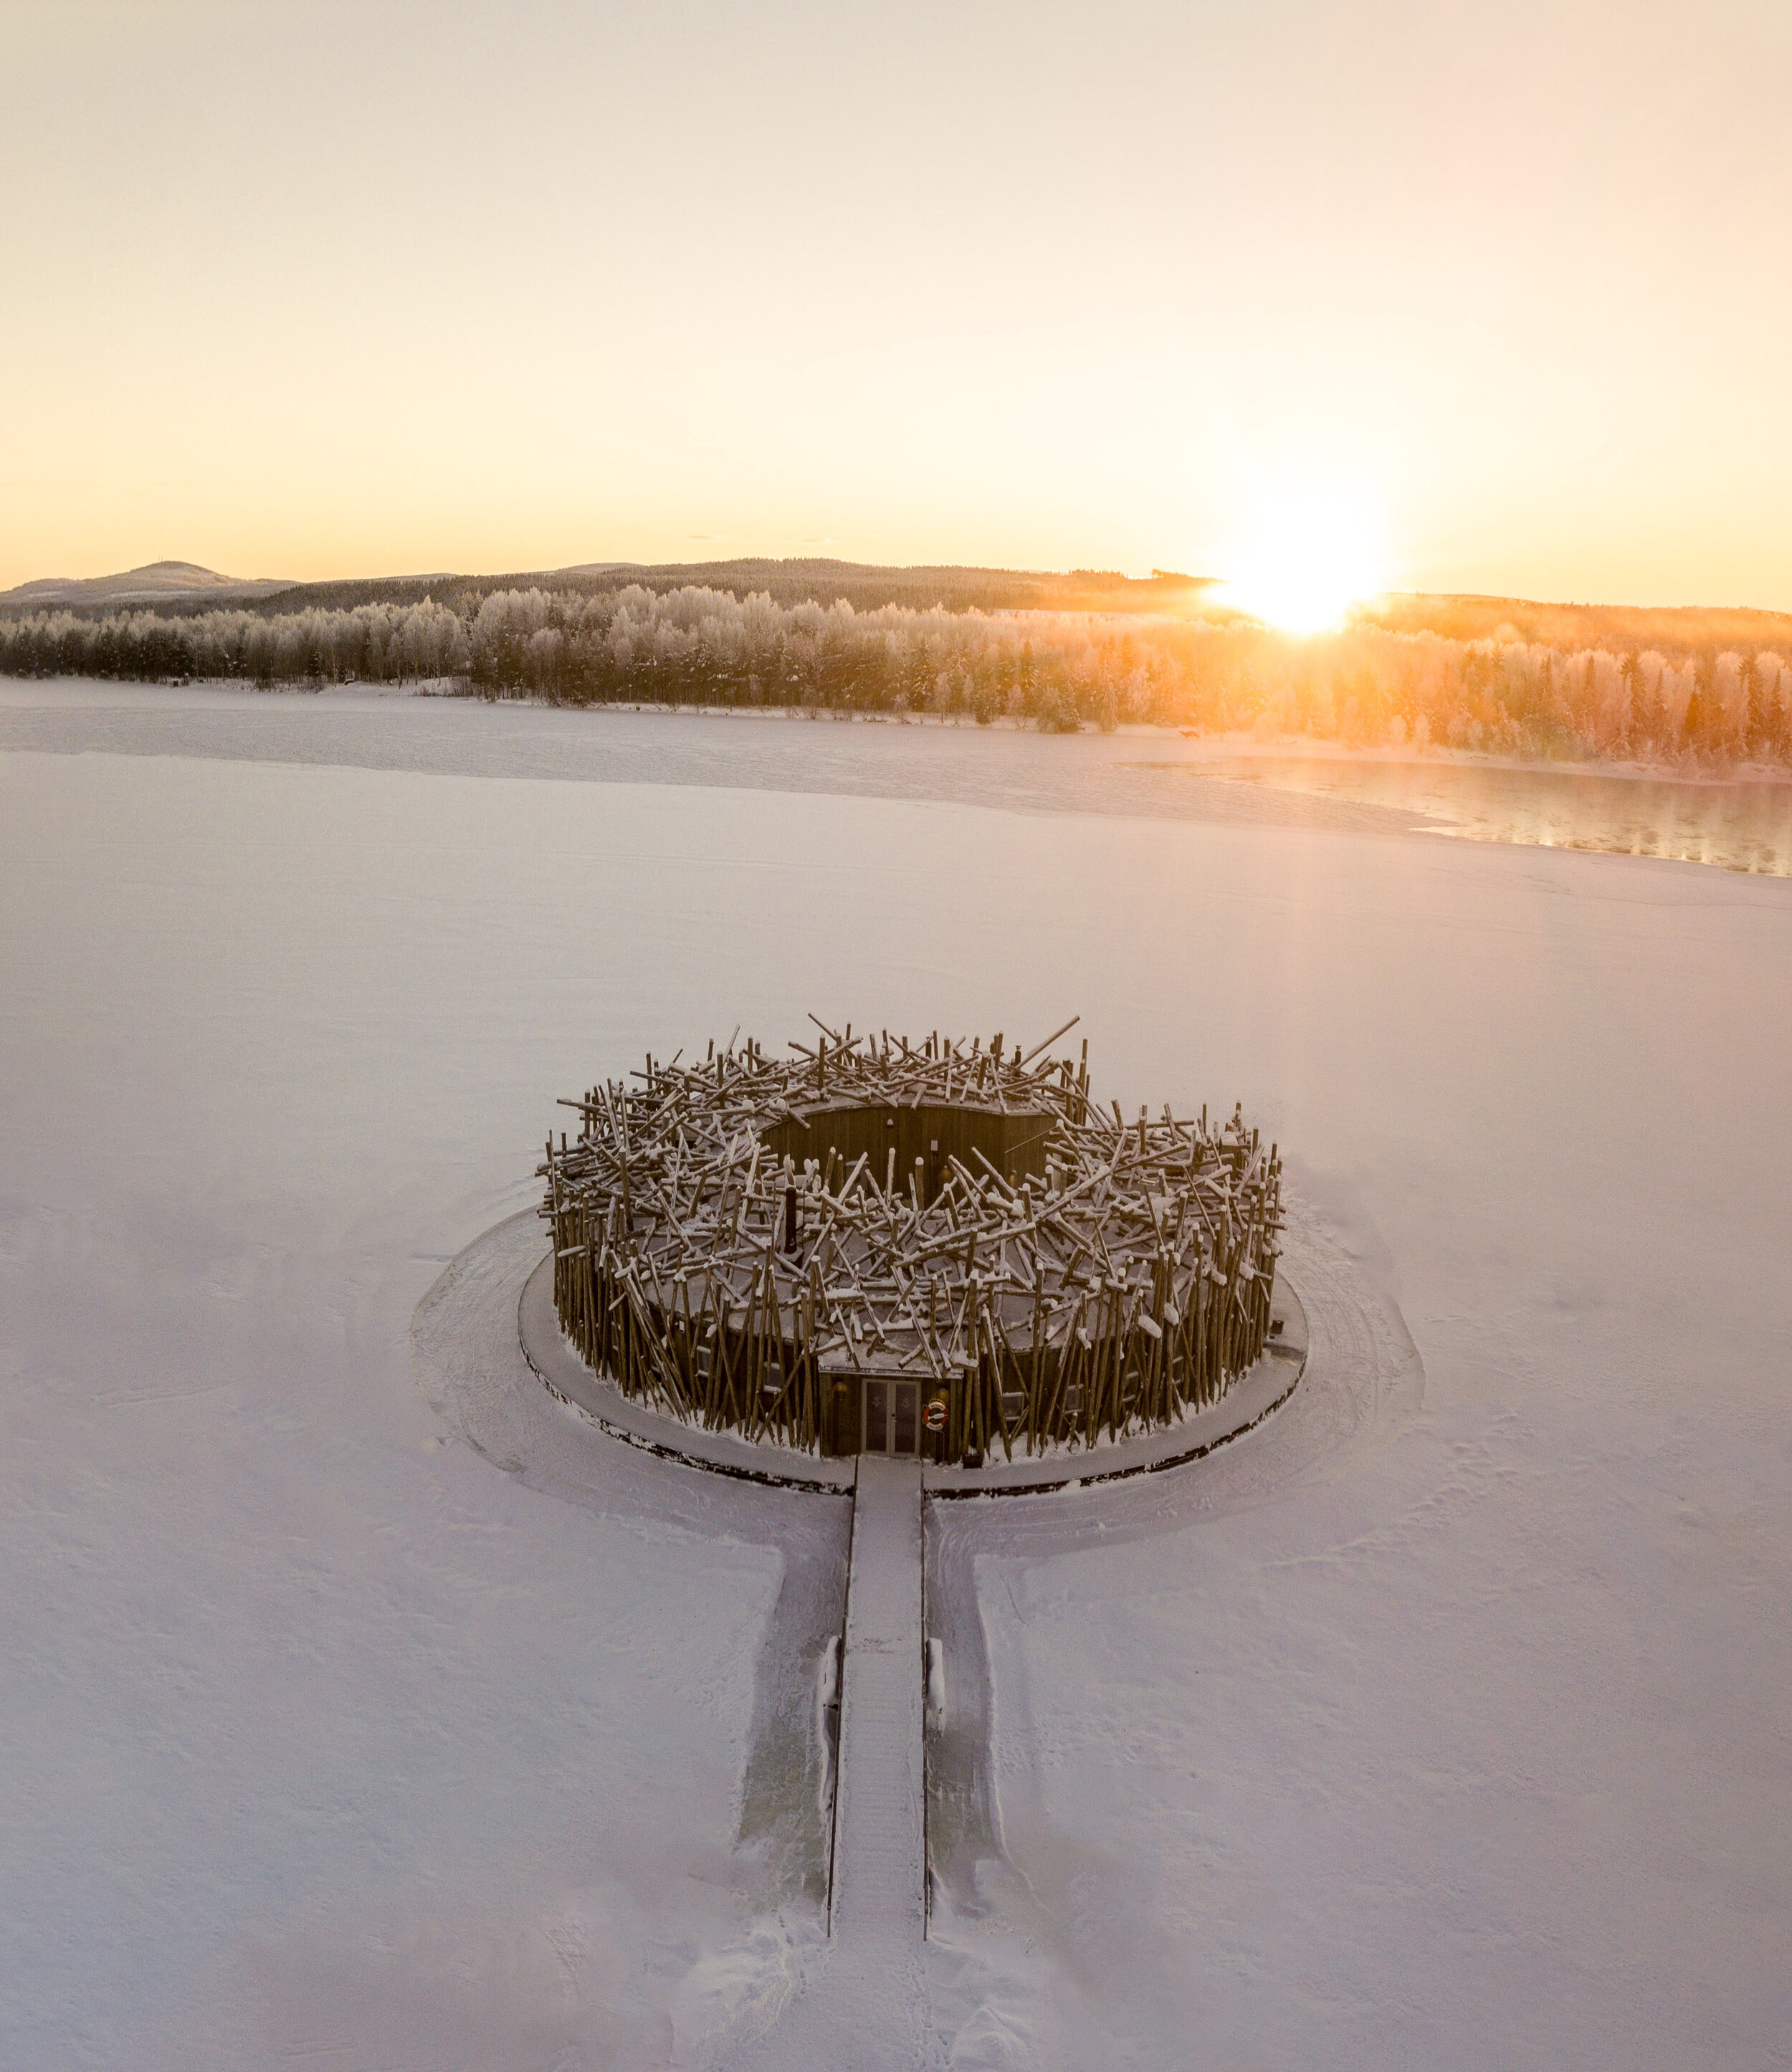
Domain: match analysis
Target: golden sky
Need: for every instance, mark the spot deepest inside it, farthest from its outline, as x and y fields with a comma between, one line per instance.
x=312, y=290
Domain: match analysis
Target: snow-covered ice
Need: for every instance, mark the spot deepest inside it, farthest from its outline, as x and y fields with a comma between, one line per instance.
x=324, y=1739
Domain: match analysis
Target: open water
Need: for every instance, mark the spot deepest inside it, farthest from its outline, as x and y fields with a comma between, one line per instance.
x=1736, y=824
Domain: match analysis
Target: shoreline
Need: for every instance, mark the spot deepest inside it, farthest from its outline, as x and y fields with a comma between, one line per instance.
x=1200, y=747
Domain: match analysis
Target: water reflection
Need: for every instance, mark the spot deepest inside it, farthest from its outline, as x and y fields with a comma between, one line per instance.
x=1741, y=824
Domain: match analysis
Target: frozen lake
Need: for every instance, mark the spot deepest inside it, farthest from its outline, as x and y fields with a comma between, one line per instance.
x=327, y=1740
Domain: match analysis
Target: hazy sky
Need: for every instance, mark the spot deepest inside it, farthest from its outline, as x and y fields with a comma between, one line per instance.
x=309, y=289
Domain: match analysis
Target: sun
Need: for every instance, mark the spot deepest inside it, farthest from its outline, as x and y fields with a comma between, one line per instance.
x=1306, y=559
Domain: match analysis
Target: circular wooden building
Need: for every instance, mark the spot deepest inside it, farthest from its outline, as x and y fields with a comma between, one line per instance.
x=945, y=1248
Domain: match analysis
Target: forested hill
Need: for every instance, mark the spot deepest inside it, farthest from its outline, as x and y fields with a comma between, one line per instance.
x=162, y=587
x=621, y=641
x=862, y=584
x=1675, y=629
x=1705, y=688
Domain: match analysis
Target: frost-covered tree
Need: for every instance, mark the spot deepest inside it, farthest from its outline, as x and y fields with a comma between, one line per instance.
x=697, y=645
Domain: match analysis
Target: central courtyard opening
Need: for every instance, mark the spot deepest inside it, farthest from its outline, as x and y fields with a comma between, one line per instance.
x=898, y=1143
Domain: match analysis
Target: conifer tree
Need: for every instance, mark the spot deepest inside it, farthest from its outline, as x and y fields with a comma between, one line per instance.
x=1696, y=729
x=1758, y=715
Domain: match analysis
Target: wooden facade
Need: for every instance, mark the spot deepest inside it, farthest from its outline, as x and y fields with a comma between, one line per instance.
x=945, y=1248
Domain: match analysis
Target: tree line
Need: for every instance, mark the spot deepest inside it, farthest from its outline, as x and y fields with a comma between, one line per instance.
x=1365, y=685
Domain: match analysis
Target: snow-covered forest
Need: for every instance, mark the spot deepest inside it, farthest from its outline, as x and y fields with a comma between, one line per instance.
x=1366, y=685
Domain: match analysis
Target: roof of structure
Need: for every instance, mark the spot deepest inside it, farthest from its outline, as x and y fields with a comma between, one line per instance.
x=1132, y=1224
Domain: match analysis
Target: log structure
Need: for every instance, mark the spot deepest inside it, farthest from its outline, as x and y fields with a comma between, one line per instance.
x=945, y=1248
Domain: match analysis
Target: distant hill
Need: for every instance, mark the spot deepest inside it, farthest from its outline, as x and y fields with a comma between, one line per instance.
x=865, y=586
x=156, y=582
x=1672, y=629
x=181, y=590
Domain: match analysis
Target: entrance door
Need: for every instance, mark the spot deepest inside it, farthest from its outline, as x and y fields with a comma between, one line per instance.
x=905, y=1412
x=892, y=1417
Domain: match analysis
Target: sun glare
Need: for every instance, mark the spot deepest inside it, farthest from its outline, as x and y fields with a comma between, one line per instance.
x=1306, y=561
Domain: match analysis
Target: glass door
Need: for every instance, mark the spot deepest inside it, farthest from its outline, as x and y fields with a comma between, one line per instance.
x=904, y=1412
x=892, y=1417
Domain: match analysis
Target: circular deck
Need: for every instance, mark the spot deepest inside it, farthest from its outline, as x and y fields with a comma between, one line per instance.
x=557, y=1364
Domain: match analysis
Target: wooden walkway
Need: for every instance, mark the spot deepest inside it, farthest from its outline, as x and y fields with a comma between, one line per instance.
x=863, y=2005
x=880, y=1868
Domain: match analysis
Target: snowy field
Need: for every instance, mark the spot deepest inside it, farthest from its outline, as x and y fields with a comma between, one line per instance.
x=325, y=1740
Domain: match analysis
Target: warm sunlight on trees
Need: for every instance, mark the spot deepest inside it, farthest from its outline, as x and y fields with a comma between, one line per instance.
x=1365, y=685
